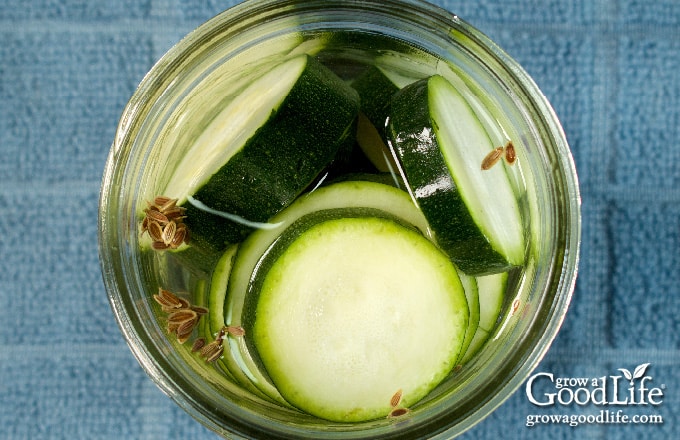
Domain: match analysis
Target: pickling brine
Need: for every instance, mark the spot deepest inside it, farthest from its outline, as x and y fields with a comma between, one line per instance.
x=340, y=223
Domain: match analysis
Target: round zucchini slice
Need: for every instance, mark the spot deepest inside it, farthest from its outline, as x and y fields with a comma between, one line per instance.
x=354, y=310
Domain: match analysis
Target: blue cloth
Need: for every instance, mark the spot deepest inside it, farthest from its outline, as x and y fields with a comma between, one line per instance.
x=611, y=69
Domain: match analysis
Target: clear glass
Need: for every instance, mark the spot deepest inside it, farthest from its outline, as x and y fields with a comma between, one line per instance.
x=170, y=108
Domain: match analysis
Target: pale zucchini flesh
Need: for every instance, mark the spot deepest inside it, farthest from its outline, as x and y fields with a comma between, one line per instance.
x=345, y=194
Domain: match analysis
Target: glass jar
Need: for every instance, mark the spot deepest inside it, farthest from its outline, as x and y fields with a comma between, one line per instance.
x=197, y=76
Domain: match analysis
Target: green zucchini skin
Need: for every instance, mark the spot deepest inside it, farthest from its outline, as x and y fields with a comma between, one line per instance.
x=284, y=156
x=375, y=91
x=411, y=134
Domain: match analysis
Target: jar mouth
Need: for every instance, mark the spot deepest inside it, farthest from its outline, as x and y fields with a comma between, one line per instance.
x=138, y=160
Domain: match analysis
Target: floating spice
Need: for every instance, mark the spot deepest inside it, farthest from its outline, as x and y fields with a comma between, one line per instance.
x=510, y=154
x=492, y=158
x=198, y=344
x=170, y=302
x=214, y=350
x=182, y=316
x=164, y=222
x=515, y=306
x=506, y=152
x=395, y=401
x=398, y=412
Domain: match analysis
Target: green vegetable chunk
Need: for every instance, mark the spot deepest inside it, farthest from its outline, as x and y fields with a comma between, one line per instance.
x=354, y=310
x=440, y=145
x=238, y=277
x=263, y=150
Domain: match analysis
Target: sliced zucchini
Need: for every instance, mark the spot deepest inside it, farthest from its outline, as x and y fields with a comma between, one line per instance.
x=263, y=149
x=491, y=295
x=440, y=145
x=375, y=91
x=490, y=117
x=375, y=87
x=480, y=338
x=404, y=70
x=472, y=296
x=233, y=359
x=491, y=290
x=288, y=236
x=373, y=146
x=345, y=194
x=355, y=309
x=218, y=286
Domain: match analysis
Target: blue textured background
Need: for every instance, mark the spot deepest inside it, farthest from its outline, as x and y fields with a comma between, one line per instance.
x=611, y=68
